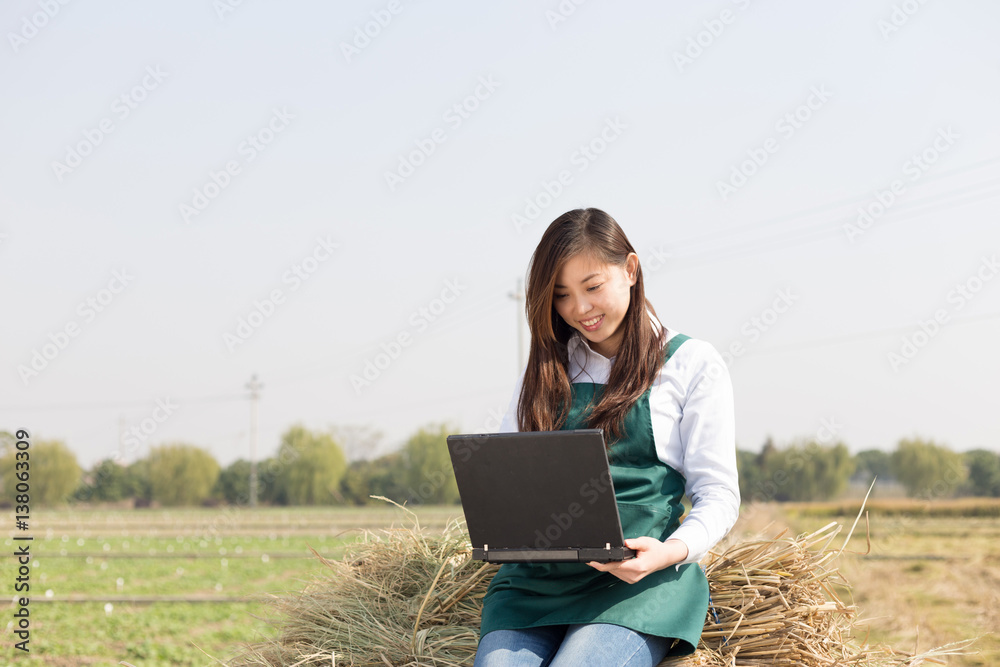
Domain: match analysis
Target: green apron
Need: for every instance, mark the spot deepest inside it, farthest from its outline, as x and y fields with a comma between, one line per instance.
x=671, y=602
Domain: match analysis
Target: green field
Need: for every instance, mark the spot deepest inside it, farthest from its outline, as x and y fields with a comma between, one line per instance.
x=94, y=576
x=215, y=566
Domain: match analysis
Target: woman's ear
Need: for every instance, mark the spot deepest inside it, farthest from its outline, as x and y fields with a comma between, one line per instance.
x=632, y=267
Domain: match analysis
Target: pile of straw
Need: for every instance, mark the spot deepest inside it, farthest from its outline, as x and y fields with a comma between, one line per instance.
x=409, y=597
x=775, y=602
x=399, y=597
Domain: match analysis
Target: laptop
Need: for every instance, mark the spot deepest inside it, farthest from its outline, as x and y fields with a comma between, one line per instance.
x=538, y=496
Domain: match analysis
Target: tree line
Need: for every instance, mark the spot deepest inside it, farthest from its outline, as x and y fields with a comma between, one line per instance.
x=814, y=471
x=309, y=468
x=312, y=468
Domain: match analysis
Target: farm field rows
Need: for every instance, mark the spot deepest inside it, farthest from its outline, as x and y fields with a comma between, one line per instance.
x=218, y=567
x=927, y=580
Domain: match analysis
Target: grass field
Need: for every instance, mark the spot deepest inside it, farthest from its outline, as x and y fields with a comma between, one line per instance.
x=929, y=579
x=216, y=565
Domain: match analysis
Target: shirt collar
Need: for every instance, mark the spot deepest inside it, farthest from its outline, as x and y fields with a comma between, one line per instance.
x=576, y=341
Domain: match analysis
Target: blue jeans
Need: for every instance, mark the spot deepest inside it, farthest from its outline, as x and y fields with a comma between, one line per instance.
x=592, y=644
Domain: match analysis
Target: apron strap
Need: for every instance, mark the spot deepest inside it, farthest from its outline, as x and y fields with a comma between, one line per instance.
x=673, y=344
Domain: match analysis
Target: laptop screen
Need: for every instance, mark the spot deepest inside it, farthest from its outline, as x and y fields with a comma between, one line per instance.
x=536, y=490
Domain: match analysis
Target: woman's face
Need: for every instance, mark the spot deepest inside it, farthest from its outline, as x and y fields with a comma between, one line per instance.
x=592, y=297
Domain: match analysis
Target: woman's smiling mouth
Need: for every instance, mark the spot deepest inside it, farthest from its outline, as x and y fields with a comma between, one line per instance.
x=593, y=323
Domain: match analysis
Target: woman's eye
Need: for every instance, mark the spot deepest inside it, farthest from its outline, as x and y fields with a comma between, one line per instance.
x=559, y=296
x=591, y=289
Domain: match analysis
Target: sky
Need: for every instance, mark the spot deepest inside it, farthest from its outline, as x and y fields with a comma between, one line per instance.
x=340, y=198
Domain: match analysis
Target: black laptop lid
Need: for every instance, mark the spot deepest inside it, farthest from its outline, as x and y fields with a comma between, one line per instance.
x=536, y=490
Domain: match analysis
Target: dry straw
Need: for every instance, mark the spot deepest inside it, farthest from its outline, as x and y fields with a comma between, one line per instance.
x=775, y=602
x=407, y=597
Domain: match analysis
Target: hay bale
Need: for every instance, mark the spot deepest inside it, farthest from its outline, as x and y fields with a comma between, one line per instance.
x=774, y=602
x=399, y=597
x=408, y=597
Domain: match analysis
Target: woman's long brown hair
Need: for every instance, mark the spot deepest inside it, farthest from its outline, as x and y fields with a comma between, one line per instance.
x=545, y=394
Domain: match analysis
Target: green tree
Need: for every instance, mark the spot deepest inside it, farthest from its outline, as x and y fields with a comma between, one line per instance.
x=181, y=474
x=427, y=472
x=808, y=470
x=355, y=486
x=52, y=471
x=311, y=467
x=752, y=477
x=269, y=487
x=984, y=472
x=873, y=463
x=927, y=470
x=106, y=481
x=137, y=482
x=233, y=484
x=755, y=483
x=382, y=477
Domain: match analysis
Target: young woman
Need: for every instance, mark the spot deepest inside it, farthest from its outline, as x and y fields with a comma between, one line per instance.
x=600, y=358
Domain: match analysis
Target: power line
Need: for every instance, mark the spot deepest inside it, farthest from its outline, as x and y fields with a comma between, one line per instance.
x=220, y=398
x=818, y=234
x=829, y=228
x=342, y=361
x=862, y=335
x=254, y=386
x=805, y=213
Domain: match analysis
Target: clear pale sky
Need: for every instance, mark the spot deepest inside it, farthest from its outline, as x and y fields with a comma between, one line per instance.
x=177, y=163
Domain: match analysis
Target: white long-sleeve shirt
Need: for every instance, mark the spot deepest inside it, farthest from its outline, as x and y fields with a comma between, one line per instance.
x=691, y=410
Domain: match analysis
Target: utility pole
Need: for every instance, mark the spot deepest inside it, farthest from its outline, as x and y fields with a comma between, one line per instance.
x=121, y=440
x=518, y=296
x=254, y=386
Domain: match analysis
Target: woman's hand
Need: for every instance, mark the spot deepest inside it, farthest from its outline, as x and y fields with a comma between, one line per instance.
x=651, y=555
